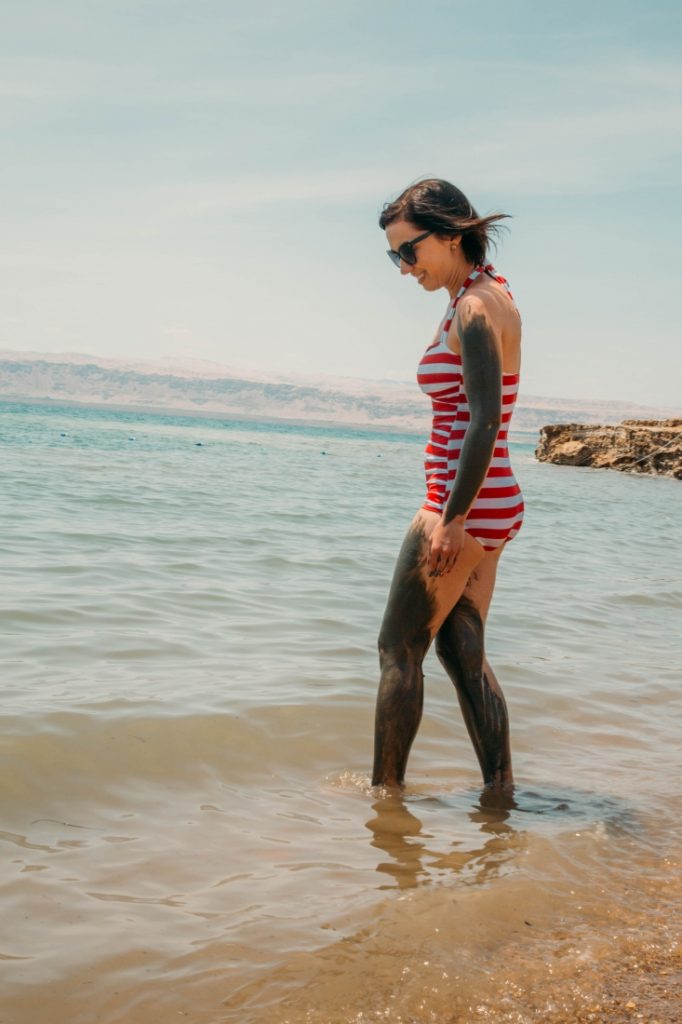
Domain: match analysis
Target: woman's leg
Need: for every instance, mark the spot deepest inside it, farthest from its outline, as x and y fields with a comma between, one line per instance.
x=460, y=648
x=417, y=606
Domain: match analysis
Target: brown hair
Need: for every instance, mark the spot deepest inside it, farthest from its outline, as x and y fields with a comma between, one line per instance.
x=436, y=205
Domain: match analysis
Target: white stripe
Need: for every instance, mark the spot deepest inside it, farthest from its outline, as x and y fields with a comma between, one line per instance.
x=493, y=524
x=485, y=503
x=496, y=463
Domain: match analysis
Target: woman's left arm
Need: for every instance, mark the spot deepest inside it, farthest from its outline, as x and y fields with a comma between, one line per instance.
x=482, y=372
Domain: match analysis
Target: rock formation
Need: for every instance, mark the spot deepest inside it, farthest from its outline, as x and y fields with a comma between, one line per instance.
x=636, y=446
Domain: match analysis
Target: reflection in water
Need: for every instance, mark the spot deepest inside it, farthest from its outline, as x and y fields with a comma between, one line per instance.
x=399, y=833
x=506, y=820
x=391, y=827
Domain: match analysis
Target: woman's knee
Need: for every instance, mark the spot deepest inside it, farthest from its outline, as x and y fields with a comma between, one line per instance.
x=460, y=640
x=402, y=648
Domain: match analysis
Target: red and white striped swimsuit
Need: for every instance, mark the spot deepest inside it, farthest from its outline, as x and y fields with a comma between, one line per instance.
x=497, y=512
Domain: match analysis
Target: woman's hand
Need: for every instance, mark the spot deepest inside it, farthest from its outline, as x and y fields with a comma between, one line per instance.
x=445, y=544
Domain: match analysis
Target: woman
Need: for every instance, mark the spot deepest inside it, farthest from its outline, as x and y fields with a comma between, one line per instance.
x=445, y=574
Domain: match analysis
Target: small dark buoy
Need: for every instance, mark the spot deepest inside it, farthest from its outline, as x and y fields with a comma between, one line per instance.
x=323, y=453
x=199, y=444
x=63, y=434
x=131, y=438
x=380, y=456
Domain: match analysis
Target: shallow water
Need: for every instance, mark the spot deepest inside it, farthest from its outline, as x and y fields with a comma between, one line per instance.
x=189, y=670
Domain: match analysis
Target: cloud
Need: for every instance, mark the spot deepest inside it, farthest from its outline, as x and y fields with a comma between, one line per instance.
x=55, y=81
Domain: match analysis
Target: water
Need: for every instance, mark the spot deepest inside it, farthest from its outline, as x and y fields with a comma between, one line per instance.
x=189, y=611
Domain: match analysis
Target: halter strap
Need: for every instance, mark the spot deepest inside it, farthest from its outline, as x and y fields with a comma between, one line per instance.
x=481, y=268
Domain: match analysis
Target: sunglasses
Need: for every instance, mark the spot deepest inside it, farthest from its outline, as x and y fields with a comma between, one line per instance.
x=406, y=251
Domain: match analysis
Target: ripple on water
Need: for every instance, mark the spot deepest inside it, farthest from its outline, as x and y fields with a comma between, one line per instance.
x=188, y=701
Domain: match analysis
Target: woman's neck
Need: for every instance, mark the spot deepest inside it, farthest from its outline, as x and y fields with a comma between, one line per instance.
x=459, y=276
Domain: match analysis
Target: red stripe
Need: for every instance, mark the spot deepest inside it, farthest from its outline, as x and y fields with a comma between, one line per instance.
x=494, y=473
x=492, y=535
x=455, y=450
x=444, y=354
x=496, y=513
x=499, y=492
x=448, y=409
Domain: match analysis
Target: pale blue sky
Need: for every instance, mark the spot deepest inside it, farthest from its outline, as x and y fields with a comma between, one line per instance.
x=203, y=179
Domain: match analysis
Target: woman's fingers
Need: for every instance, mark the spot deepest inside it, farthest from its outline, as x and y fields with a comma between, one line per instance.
x=440, y=562
x=437, y=560
x=445, y=545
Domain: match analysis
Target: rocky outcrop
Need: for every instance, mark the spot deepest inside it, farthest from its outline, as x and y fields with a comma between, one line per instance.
x=636, y=446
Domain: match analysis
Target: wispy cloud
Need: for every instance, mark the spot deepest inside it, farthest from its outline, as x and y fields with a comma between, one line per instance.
x=54, y=80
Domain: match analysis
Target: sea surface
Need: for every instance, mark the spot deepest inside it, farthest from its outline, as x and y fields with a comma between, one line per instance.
x=189, y=609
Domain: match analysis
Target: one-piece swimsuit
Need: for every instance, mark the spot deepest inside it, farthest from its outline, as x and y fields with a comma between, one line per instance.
x=497, y=511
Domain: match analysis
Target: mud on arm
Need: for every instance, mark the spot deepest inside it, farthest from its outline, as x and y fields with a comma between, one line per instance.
x=482, y=372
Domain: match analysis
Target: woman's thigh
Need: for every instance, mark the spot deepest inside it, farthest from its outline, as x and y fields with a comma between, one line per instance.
x=481, y=583
x=418, y=603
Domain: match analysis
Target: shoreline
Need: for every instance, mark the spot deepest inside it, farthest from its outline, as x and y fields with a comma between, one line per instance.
x=219, y=415
x=524, y=436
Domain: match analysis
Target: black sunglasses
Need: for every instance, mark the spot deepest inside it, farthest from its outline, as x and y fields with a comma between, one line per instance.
x=406, y=251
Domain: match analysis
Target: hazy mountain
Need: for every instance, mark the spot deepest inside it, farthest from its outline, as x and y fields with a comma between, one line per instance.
x=210, y=388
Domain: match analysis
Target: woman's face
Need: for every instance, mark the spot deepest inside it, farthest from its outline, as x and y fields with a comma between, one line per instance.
x=436, y=257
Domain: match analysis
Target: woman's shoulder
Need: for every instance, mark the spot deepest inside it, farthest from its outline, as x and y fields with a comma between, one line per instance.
x=488, y=301
x=475, y=310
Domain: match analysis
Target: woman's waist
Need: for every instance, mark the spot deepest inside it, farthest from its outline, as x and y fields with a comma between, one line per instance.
x=499, y=480
x=448, y=459
x=457, y=416
x=451, y=437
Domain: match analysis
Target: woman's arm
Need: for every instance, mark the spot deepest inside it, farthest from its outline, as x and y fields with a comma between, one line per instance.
x=482, y=372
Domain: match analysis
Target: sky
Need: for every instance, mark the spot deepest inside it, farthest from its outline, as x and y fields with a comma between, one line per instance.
x=203, y=180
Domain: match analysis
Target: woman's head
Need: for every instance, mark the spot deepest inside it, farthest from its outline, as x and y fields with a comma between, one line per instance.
x=437, y=206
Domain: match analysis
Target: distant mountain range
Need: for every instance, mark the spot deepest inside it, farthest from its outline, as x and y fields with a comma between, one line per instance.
x=206, y=388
